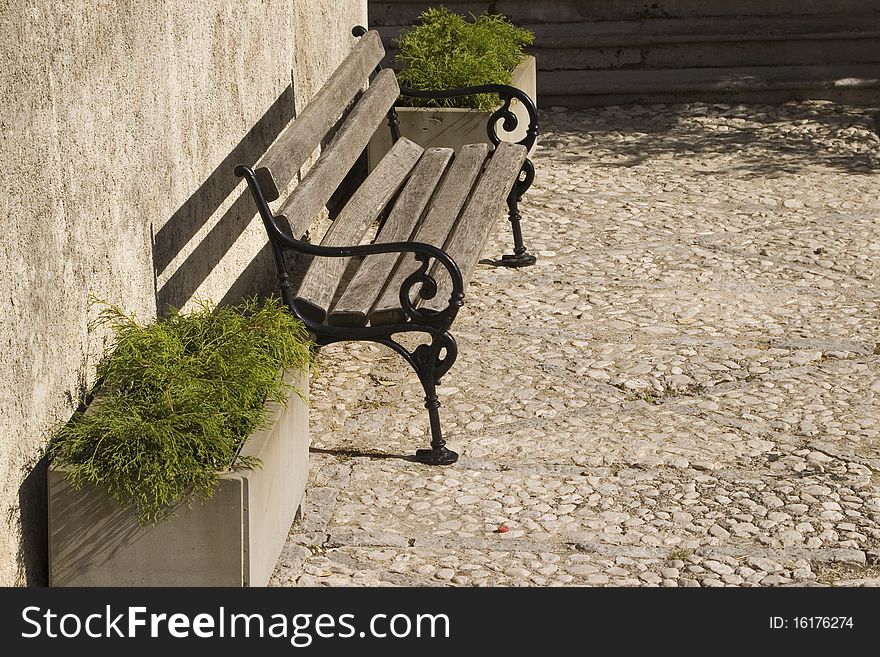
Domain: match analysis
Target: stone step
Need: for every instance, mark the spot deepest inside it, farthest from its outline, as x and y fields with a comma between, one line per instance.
x=557, y=46
x=598, y=34
x=523, y=12
x=592, y=52
x=855, y=83
x=807, y=49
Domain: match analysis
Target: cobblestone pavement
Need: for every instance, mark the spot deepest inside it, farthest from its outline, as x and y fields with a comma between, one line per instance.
x=683, y=391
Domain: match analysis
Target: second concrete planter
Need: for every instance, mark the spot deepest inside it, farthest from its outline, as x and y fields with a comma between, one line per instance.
x=232, y=539
x=449, y=127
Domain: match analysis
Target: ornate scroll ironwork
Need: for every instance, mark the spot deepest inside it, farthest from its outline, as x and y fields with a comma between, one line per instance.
x=503, y=114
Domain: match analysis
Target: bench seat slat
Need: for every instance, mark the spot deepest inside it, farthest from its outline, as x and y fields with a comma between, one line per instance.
x=309, y=197
x=354, y=305
x=478, y=220
x=298, y=141
x=322, y=278
x=442, y=213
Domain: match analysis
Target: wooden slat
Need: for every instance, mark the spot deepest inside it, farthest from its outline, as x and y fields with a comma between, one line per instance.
x=470, y=234
x=442, y=214
x=297, y=142
x=310, y=195
x=319, y=284
x=367, y=284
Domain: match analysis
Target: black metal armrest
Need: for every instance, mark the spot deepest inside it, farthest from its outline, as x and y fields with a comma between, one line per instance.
x=504, y=112
x=423, y=253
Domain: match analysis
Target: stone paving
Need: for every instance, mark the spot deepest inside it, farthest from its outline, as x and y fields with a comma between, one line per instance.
x=683, y=391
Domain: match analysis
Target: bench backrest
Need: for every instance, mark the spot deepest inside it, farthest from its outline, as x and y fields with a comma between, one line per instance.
x=283, y=160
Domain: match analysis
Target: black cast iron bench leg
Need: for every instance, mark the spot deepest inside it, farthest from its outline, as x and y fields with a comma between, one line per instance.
x=520, y=257
x=430, y=368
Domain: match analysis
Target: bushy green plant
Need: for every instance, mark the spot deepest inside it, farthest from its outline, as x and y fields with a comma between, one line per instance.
x=445, y=51
x=177, y=400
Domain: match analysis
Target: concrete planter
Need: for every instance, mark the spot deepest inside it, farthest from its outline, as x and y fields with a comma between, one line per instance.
x=233, y=539
x=454, y=127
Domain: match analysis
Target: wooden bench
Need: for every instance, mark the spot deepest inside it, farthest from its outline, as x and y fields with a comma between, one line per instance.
x=435, y=211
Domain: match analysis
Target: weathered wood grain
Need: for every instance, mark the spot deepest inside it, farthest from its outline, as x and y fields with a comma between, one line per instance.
x=297, y=142
x=320, y=281
x=362, y=292
x=470, y=234
x=307, y=198
x=442, y=214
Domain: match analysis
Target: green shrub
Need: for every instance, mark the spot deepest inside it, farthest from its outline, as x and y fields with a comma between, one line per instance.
x=177, y=400
x=445, y=51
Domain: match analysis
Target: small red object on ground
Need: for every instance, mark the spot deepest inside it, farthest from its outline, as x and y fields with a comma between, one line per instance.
x=502, y=529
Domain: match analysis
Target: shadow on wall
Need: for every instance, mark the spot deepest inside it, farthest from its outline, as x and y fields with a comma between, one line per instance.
x=171, y=239
x=80, y=523
x=33, y=549
x=767, y=140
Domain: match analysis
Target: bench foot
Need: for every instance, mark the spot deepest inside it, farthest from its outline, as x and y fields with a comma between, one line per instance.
x=436, y=456
x=521, y=260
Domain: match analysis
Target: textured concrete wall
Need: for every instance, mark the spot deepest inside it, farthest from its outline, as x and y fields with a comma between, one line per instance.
x=121, y=122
